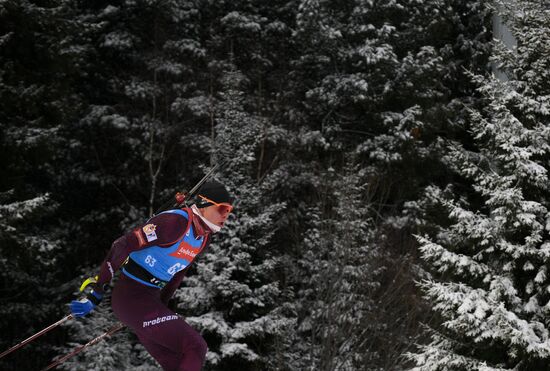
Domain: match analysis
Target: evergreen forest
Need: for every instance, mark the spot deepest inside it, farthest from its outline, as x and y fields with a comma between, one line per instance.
x=390, y=161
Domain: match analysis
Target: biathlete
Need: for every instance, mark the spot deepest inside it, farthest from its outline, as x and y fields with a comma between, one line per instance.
x=153, y=259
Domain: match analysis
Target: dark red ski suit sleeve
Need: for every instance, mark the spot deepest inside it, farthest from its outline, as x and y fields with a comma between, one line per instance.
x=169, y=229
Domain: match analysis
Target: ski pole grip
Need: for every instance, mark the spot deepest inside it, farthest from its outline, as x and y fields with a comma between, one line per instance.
x=88, y=281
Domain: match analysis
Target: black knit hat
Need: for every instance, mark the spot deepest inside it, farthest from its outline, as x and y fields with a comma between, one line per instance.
x=215, y=191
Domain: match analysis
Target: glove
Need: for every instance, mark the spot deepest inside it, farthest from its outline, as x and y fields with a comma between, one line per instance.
x=82, y=307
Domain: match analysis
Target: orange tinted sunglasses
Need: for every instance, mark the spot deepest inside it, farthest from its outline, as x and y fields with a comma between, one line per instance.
x=223, y=207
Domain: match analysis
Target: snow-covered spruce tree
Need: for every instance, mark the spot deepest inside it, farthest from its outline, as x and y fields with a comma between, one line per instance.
x=244, y=41
x=27, y=252
x=489, y=255
x=233, y=300
x=385, y=80
x=379, y=79
x=338, y=269
x=36, y=99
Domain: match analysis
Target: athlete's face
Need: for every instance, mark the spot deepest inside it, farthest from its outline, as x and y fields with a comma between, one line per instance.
x=215, y=214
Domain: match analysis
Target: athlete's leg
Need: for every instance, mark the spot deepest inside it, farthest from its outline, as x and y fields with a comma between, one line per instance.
x=173, y=343
x=167, y=337
x=165, y=357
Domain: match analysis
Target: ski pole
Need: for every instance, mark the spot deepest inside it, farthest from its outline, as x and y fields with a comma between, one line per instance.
x=40, y=333
x=79, y=349
x=50, y=327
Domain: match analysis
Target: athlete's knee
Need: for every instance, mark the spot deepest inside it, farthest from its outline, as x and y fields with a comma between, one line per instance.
x=200, y=347
x=194, y=354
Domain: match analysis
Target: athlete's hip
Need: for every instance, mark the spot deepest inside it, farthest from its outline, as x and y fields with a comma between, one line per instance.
x=132, y=301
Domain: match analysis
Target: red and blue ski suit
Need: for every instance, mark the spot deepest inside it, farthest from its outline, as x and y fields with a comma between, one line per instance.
x=153, y=259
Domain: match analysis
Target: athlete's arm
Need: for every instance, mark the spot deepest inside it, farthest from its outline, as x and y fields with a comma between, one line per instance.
x=168, y=291
x=162, y=230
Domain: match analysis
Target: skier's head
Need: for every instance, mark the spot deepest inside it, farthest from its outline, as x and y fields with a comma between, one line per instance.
x=214, y=202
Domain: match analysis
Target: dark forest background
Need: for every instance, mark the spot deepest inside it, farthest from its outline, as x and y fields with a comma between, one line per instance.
x=347, y=126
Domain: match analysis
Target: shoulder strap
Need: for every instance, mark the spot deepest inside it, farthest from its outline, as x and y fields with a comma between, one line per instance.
x=189, y=219
x=204, y=246
x=190, y=216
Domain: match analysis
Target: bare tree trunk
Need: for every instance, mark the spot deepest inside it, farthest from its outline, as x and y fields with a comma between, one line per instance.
x=212, y=119
x=264, y=134
x=154, y=172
